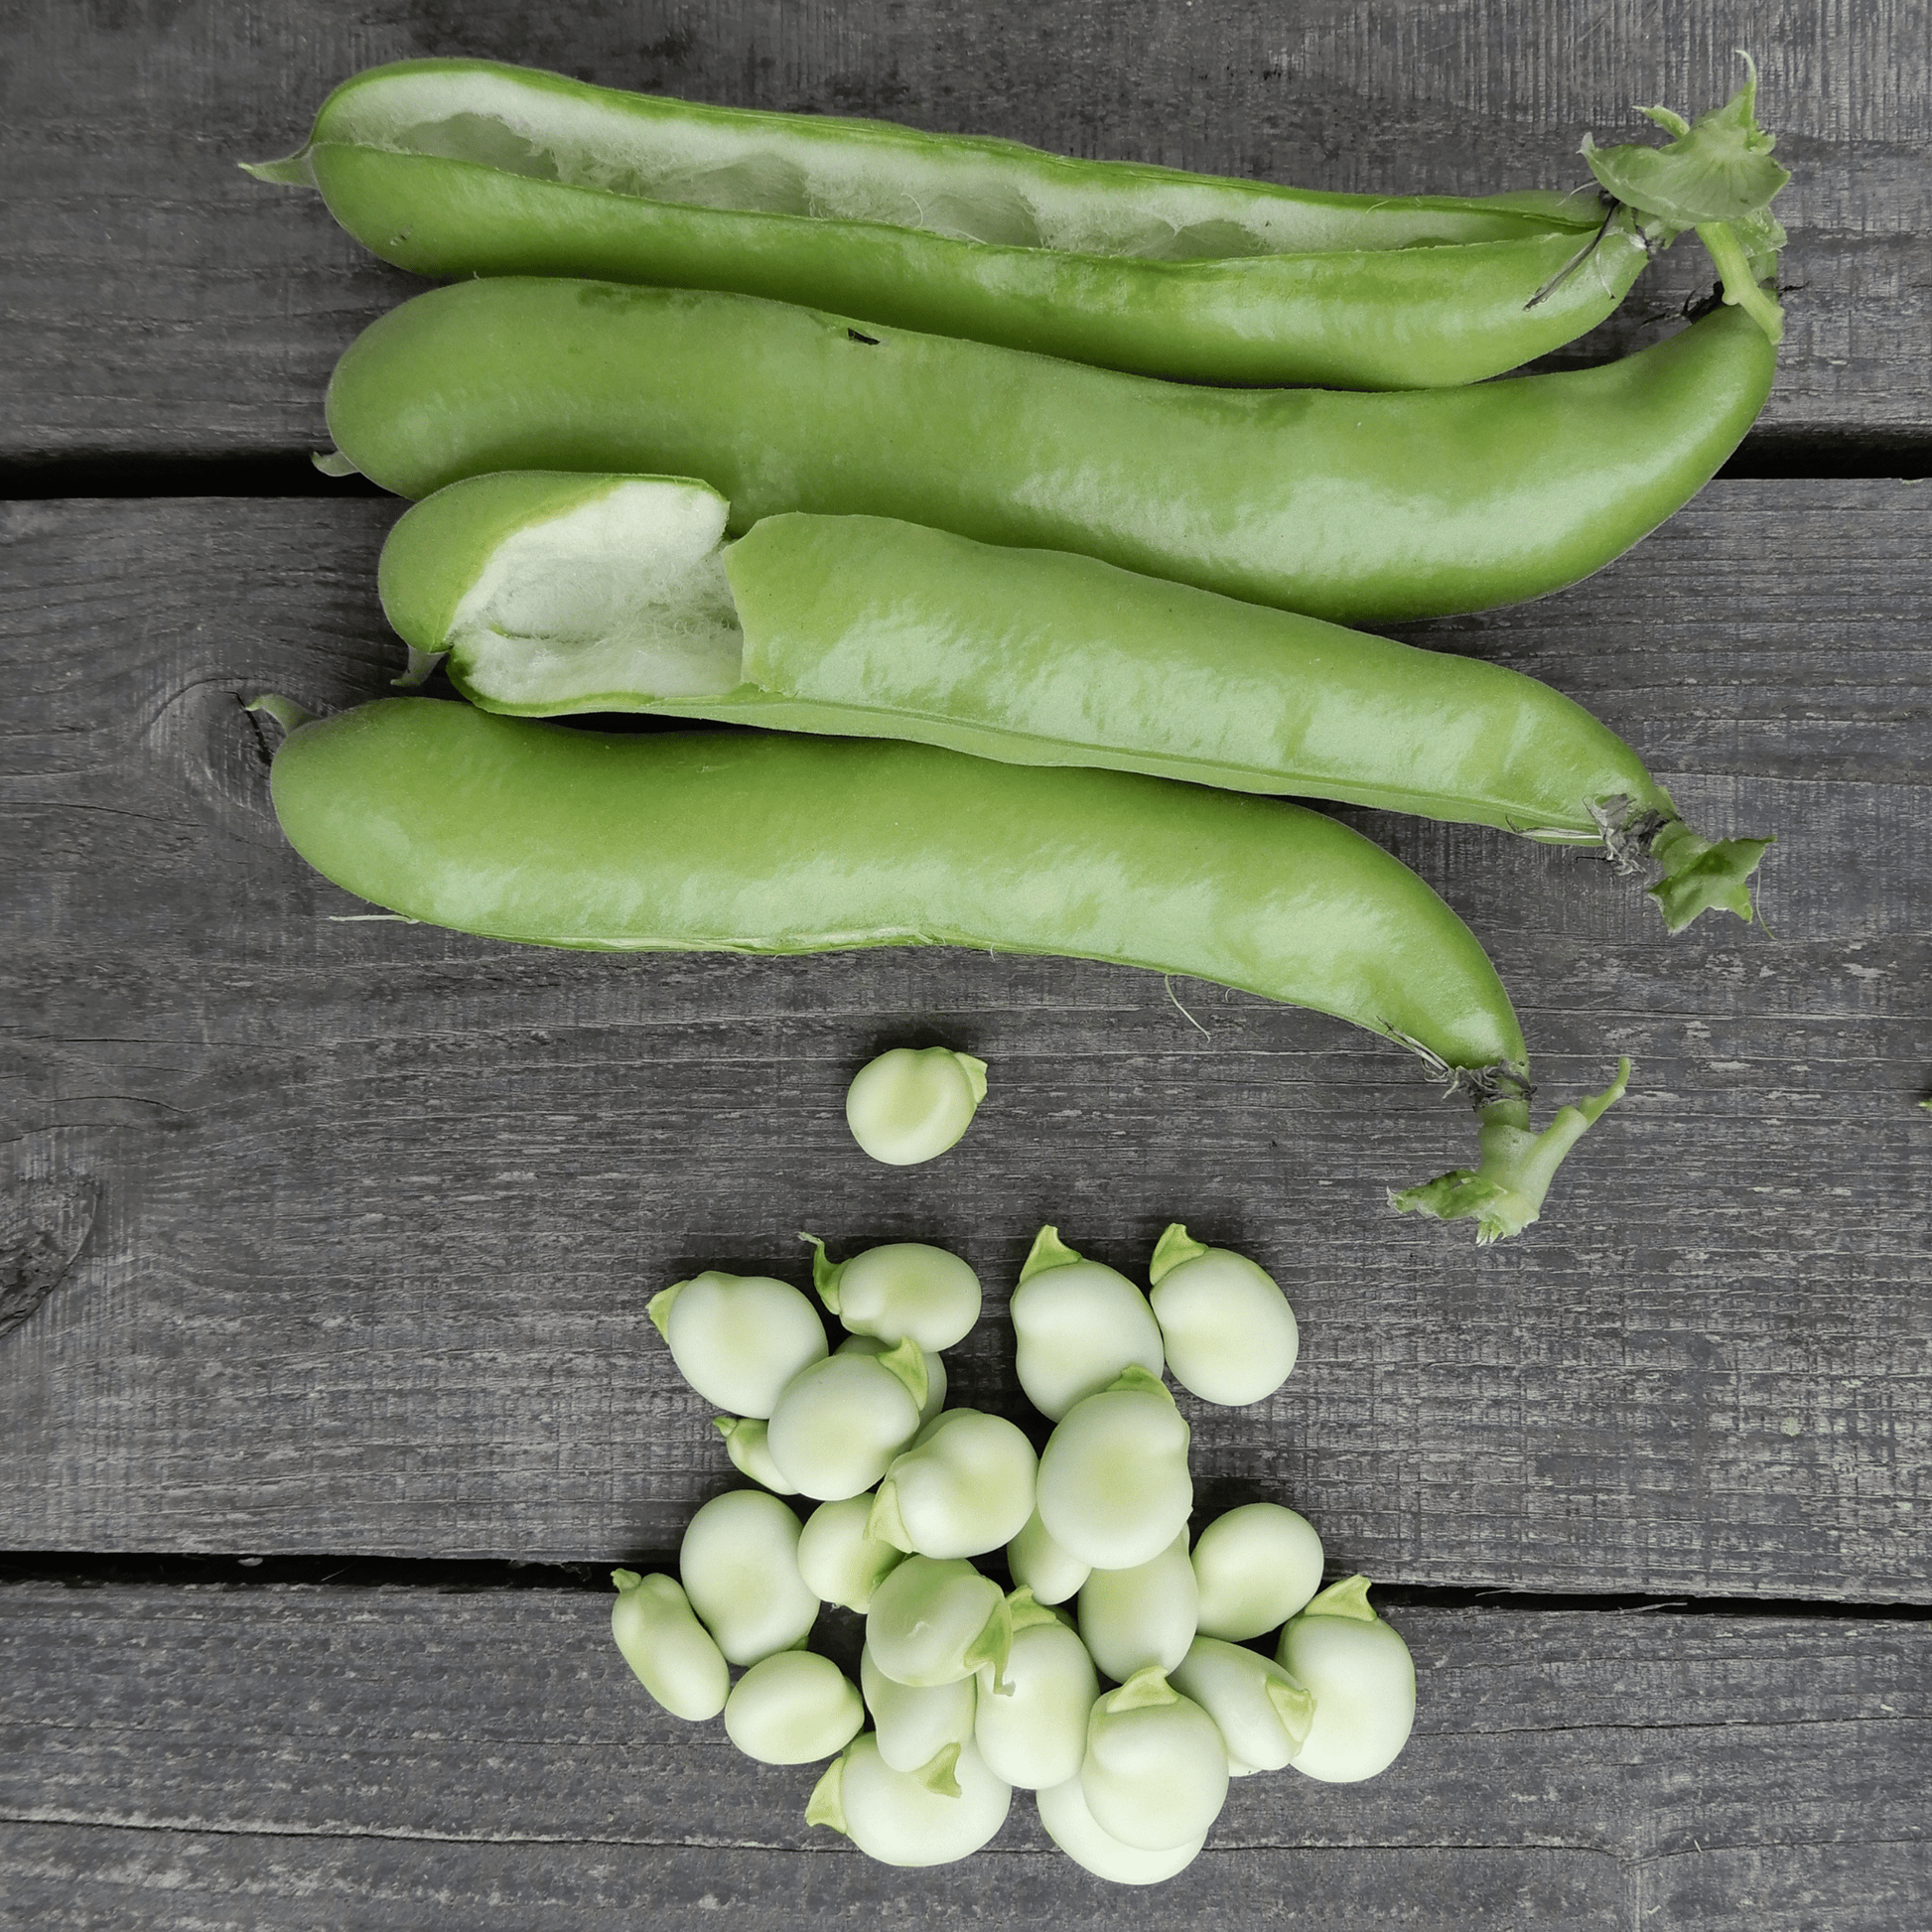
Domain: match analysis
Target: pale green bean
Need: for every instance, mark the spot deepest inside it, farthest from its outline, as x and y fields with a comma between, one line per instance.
x=1362, y=1679
x=1260, y=1711
x=912, y=1104
x=936, y=1370
x=1037, y=1736
x=1037, y=1561
x=1156, y=1772
x=1078, y=1325
x=1228, y=1331
x=1114, y=1489
x=738, y=1339
x=838, y=1561
x=793, y=1708
x=894, y=1818
x=921, y=1728
x=1069, y=1824
x=964, y=1487
x=840, y=1423
x=1256, y=1567
x=750, y=1454
x=1147, y=1616
x=934, y=1622
x=905, y=1288
x=674, y=1657
x=739, y=1564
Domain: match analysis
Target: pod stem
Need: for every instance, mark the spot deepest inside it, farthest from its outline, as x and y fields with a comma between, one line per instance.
x=285, y=711
x=292, y=171
x=1697, y=875
x=1504, y=1192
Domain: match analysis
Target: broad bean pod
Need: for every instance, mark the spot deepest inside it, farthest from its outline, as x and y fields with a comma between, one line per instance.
x=763, y=843
x=553, y=593
x=454, y=168
x=1351, y=507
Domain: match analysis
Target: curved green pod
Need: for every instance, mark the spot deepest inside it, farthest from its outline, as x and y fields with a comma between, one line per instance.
x=1353, y=507
x=763, y=843
x=456, y=168
x=552, y=592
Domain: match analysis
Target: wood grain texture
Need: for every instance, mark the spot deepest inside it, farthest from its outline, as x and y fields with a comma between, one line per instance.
x=158, y=302
x=378, y=1207
x=351, y=1758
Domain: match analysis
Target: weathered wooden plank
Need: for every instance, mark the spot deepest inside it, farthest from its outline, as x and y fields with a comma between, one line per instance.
x=160, y=302
x=376, y=1206
x=327, y=1756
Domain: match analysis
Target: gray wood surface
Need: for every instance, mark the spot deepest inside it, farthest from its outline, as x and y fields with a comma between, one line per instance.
x=346, y=1758
x=160, y=303
x=375, y=1207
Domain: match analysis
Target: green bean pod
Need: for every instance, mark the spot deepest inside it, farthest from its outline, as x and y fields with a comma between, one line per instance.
x=1351, y=507
x=761, y=843
x=554, y=592
x=454, y=168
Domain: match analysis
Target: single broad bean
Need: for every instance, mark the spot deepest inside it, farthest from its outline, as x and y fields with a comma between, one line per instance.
x=1078, y=1325
x=921, y=1728
x=840, y=1423
x=556, y=592
x=750, y=1454
x=936, y=1370
x=839, y=1560
x=893, y=1816
x=1359, y=508
x=454, y=168
x=911, y=1104
x=674, y=1657
x=1037, y=1736
x=1229, y=1333
x=760, y=842
x=1156, y=1772
x=1036, y=1561
x=739, y=1564
x=935, y=1622
x=793, y=1708
x=1362, y=1679
x=1256, y=1567
x=1147, y=1616
x=738, y=1339
x=1113, y=1489
x=1069, y=1824
x=905, y=1288
x=964, y=1487
x=1260, y=1711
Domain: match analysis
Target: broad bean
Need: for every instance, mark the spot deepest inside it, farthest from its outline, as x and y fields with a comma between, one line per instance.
x=739, y=1565
x=839, y=1424
x=1037, y=1561
x=1359, y=508
x=1078, y=1325
x=1147, y=1616
x=1114, y=1489
x=558, y=593
x=1262, y=1712
x=921, y=1728
x=760, y=842
x=674, y=1657
x=910, y=1105
x=1069, y=1824
x=792, y=1709
x=1362, y=1679
x=905, y=1288
x=750, y=1454
x=935, y=1622
x=1036, y=1734
x=738, y=1339
x=1256, y=1567
x=466, y=166
x=893, y=1816
x=1230, y=1335
x=839, y=1560
x=964, y=1487
x=1156, y=1772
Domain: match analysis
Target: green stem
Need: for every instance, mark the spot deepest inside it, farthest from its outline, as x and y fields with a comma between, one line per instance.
x=1742, y=288
x=1504, y=1192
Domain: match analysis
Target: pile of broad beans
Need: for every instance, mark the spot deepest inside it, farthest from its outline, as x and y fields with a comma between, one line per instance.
x=1118, y=1677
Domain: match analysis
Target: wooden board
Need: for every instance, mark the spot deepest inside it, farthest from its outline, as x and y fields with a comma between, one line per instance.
x=161, y=304
x=335, y=1758
x=370, y=1212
